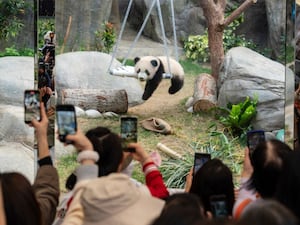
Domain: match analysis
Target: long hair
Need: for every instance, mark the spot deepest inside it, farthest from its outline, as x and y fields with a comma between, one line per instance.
x=20, y=204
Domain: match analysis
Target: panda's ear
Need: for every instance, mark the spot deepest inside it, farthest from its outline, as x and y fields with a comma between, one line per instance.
x=154, y=63
x=136, y=59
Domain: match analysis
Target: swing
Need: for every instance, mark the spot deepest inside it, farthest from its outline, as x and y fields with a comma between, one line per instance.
x=128, y=71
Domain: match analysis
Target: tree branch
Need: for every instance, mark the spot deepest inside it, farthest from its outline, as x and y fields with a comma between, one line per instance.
x=207, y=4
x=237, y=12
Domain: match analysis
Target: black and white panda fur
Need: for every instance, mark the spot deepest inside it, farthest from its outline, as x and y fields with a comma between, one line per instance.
x=155, y=67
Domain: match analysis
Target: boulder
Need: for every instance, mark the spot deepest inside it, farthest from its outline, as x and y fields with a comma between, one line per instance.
x=15, y=157
x=89, y=70
x=92, y=113
x=16, y=75
x=247, y=73
x=79, y=111
x=13, y=128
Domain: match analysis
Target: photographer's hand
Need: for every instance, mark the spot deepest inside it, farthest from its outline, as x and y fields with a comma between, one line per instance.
x=140, y=154
x=41, y=133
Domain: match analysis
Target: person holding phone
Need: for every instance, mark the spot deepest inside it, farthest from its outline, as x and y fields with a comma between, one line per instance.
x=32, y=205
x=260, y=174
x=213, y=183
x=88, y=171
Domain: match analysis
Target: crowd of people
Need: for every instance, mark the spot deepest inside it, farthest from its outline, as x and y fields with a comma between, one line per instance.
x=101, y=190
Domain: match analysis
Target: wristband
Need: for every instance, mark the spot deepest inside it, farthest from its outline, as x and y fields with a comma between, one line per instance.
x=88, y=154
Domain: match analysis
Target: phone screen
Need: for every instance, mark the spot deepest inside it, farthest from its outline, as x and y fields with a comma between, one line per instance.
x=254, y=138
x=199, y=160
x=66, y=121
x=219, y=206
x=32, y=105
x=128, y=131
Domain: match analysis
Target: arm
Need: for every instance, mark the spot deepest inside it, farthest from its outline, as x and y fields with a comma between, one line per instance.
x=46, y=184
x=245, y=195
x=154, y=180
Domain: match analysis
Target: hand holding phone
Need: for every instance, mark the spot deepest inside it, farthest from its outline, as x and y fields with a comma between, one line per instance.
x=254, y=137
x=32, y=106
x=66, y=121
x=128, y=132
x=199, y=160
x=219, y=206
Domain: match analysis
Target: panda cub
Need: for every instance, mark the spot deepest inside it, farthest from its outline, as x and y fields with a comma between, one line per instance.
x=154, y=68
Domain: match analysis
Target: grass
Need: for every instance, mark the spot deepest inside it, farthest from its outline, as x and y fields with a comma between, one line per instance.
x=191, y=132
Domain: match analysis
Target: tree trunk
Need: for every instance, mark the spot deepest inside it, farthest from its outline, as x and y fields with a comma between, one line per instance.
x=104, y=101
x=214, y=14
x=114, y=17
x=205, y=93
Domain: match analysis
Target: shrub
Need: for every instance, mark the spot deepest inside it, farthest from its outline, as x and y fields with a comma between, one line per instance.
x=105, y=40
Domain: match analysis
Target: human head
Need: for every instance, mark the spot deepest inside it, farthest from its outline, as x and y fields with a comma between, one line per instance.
x=108, y=146
x=264, y=211
x=187, y=201
x=20, y=204
x=267, y=160
x=213, y=178
x=289, y=183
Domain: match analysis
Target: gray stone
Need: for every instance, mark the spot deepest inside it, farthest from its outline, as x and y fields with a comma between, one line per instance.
x=87, y=18
x=13, y=128
x=110, y=114
x=16, y=157
x=246, y=73
x=79, y=111
x=91, y=113
x=90, y=70
x=16, y=75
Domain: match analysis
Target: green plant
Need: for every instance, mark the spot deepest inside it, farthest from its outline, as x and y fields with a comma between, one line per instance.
x=217, y=144
x=12, y=51
x=105, y=40
x=10, y=17
x=238, y=117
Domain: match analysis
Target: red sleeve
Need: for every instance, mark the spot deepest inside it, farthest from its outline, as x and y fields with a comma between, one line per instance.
x=154, y=181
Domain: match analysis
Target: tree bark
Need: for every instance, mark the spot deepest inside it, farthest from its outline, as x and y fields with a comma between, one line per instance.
x=214, y=14
x=205, y=93
x=114, y=17
x=104, y=101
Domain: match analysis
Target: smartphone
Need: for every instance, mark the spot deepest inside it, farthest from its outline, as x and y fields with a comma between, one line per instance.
x=128, y=132
x=66, y=121
x=199, y=160
x=32, y=105
x=219, y=206
x=254, y=137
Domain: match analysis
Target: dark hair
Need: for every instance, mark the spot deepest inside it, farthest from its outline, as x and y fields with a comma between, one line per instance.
x=267, y=164
x=213, y=178
x=42, y=82
x=289, y=183
x=184, y=201
x=263, y=212
x=108, y=145
x=20, y=204
x=178, y=216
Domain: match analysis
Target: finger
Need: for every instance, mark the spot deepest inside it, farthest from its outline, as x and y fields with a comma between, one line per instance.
x=43, y=111
x=33, y=123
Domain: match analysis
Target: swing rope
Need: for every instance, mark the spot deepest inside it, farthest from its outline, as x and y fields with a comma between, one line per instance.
x=174, y=31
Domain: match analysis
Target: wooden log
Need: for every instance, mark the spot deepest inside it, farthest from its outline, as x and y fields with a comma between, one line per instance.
x=101, y=100
x=205, y=93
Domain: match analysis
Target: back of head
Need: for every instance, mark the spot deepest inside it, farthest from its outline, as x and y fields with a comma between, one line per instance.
x=184, y=201
x=289, y=183
x=20, y=204
x=213, y=178
x=109, y=147
x=263, y=212
x=267, y=160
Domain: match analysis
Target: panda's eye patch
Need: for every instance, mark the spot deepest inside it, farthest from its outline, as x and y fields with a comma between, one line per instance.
x=138, y=71
x=147, y=72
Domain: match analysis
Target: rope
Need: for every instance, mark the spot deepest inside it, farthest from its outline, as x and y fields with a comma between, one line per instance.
x=139, y=33
x=174, y=31
x=121, y=33
x=163, y=33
